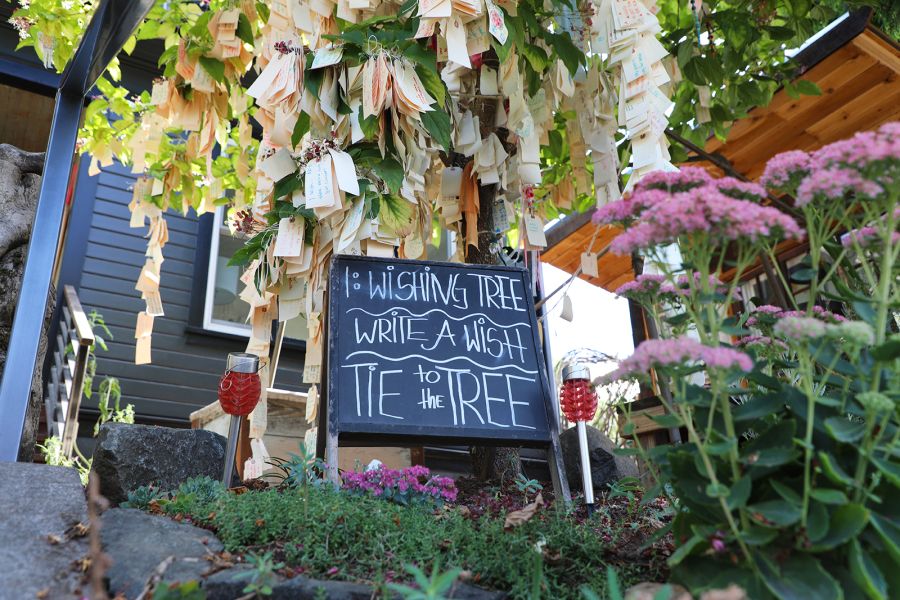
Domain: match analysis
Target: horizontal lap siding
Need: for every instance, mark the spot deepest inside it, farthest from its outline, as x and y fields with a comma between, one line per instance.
x=186, y=366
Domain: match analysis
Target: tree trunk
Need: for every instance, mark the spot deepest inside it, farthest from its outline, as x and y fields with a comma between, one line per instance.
x=489, y=462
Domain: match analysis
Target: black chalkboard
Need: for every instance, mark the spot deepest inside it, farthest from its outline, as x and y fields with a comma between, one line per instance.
x=435, y=351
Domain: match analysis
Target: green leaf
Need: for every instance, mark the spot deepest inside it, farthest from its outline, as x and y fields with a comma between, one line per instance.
x=567, y=51
x=866, y=573
x=244, y=29
x=829, y=496
x=684, y=550
x=846, y=522
x=437, y=124
x=771, y=457
x=816, y=522
x=844, y=430
x=535, y=56
x=669, y=420
x=433, y=84
x=300, y=128
x=889, y=532
x=215, y=68
x=833, y=469
x=740, y=493
x=865, y=311
x=758, y=406
x=775, y=513
x=758, y=536
x=391, y=172
x=888, y=469
x=808, y=88
x=801, y=577
x=888, y=351
x=422, y=56
x=786, y=492
x=286, y=185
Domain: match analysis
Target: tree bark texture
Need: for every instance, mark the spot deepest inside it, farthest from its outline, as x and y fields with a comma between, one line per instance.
x=490, y=462
x=20, y=182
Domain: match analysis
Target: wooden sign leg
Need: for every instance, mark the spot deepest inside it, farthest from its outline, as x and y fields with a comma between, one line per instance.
x=331, y=457
x=557, y=469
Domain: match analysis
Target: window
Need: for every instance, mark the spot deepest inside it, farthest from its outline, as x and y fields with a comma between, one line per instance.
x=223, y=309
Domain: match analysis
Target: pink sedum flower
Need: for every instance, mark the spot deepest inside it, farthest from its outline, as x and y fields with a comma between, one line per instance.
x=682, y=351
x=786, y=170
x=800, y=329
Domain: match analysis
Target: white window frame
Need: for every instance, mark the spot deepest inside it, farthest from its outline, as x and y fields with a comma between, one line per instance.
x=242, y=330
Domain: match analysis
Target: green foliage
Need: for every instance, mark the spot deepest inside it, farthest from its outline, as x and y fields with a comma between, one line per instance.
x=429, y=587
x=366, y=538
x=262, y=576
x=196, y=496
x=143, y=496
x=188, y=590
x=527, y=486
x=300, y=470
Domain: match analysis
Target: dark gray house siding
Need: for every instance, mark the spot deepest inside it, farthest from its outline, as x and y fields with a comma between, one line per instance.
x=187, y=360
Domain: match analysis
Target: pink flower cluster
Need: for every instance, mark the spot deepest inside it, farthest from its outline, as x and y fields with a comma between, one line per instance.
x=800, y=329
x=776, y=313
x=866, y=237
x=646, y=284
x=412, y=485
x=858, y=166
x=682, y=351
x=785, y=171
x=706, y=212
x=762, y=342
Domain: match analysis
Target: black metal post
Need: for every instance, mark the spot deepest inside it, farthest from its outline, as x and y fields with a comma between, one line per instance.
x=112, y=24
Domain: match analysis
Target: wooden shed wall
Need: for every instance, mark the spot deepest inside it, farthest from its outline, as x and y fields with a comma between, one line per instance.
x=186, y=364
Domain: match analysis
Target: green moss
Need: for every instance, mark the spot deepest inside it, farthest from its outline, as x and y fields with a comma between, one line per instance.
x=371, y=540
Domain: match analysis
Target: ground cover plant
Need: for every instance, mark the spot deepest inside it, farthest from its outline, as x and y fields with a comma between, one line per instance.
x=789, y=483
x=322, y=532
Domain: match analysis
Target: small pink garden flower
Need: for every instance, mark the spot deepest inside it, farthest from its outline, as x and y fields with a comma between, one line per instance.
x=682, y=351
x=800, y=329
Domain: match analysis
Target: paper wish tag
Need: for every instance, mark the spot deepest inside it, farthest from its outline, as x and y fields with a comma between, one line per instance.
x=496, y=22
x=589, y=264
x=289, y=241
x=345, y=172
x=279, y=165
x=320, y=189
x=142, y=348
x=534, y=230
x=312, y=403
x=253, y=468
x=501, y=216
x=488, y=81
x=568, y=311
x=325, y=57
x=457, y=50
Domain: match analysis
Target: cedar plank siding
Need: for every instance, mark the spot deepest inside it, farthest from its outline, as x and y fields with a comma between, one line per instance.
x=186, y=364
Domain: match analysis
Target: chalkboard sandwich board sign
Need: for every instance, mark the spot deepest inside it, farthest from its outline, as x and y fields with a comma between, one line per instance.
x=424, y=351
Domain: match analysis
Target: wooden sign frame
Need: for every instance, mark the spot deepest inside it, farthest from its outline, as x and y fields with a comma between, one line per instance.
x=331, y=433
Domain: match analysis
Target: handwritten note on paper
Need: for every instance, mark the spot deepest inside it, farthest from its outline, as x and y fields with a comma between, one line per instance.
x=434, y=350
x=457, y=49
x=290, y=237
x=534, y=229
x=319, y=186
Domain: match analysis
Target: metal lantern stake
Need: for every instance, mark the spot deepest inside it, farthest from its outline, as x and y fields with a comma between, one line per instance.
x=239, y=391
x=578, y=401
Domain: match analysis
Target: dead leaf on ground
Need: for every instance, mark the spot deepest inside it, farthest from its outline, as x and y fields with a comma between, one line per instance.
x=518, y=517
x=653, y=591
x=54, y=539
x=44, y=593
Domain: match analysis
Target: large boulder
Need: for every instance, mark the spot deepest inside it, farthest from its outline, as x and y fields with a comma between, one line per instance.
x=606, y=467
x=20, y=182
x=40, y=504
x=129, y=456
x=138, y=543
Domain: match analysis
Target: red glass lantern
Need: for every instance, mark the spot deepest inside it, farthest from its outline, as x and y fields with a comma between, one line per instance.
x=239, y=388
x=578, y=401
x=239, y=391
x=577, y=397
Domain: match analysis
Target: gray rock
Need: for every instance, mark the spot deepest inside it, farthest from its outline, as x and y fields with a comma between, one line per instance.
x=138, y=542
x=229, y=584
x=20, y=182
x=129, y=456
x=39, y=501
x=606, y=467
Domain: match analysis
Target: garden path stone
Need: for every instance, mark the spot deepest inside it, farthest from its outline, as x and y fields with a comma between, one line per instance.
x=129, y=456
x=39, y=501
x=606, y=467
x=137, y=542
